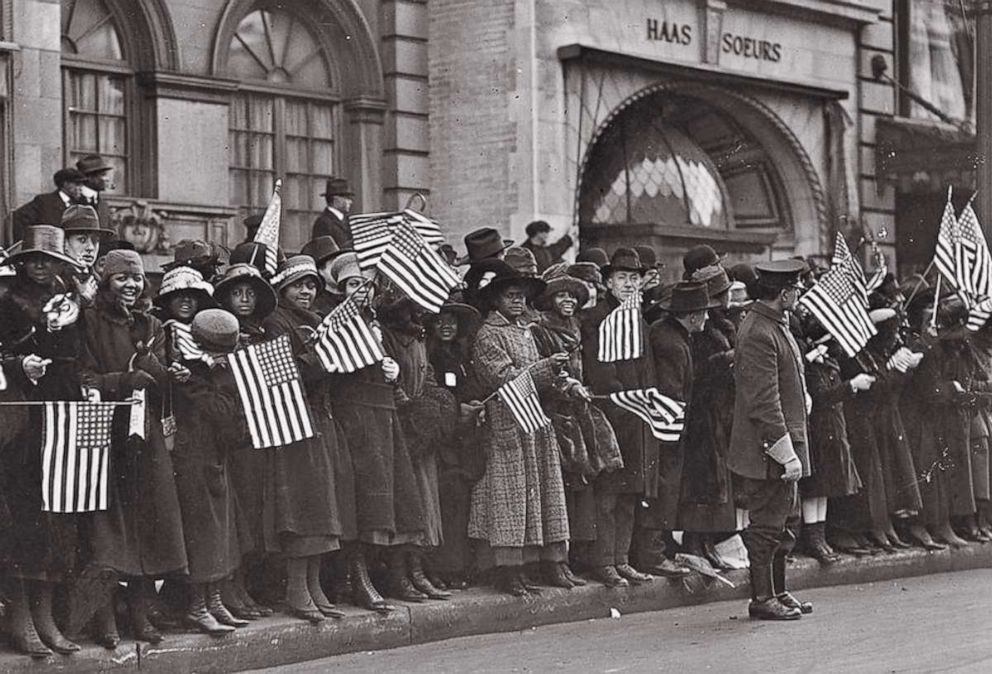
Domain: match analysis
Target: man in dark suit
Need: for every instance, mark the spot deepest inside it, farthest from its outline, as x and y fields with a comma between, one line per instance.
x=545, y=254
x=99, y=175
x=768, y=447
x=333, y=221
x=47, y=208
x=671, y=344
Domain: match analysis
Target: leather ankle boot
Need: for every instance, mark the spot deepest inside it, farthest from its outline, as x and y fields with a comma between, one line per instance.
x=508, y=581
x=216, y=608
x=197, y=615
x=137, y=607
x=41, y=614
x=778, y=587
x=365, y=594
x=399, y=585
x=105, y=625
x=555, y=576
x=608, y=576
x=420, y=580
x=816, y=543
x=23, y=636
x=576, y=581
x=299, y=603
x=633, y=576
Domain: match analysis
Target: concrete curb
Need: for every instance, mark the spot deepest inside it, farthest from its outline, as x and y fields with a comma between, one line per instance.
x=281, y=640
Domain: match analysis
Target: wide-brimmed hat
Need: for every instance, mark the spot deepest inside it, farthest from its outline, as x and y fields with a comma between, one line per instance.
x=322, y=249
x=83, y=218
x=191, y=252
x=468, y=317
x=483, y=244
x=185, y=279
x=698, y=257
x=565, y=284
x=46, y=240
x=266, y=300
x=715, y=277
x=501, y=276
x=687, y=297
x=595, y=255
x=295, y=268
x=93, y=163
x=216, y=330
x=521, y=259
x=346, y=266
x=624, y=259
x=585, y=271
x=337, y=187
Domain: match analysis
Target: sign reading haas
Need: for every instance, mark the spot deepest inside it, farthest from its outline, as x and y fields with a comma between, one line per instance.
x=669, y=31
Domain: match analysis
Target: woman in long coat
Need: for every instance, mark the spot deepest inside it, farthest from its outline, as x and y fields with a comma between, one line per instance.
x=208, y=431
x=43, y=365
x=140, y=536
x=303, y=518
x=387, y=499
x=518, y=507
x=251, y=299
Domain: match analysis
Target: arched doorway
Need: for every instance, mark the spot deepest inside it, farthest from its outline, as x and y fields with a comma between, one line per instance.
x=681, y=164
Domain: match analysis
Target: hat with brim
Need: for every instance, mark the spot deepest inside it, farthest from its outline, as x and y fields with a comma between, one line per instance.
x=466, y=315
x=78, y=218
x=483, y=244
x=522, y=260
x=564, y=284
x=266, y=300
x=595, y=255
x=715, y=278
x=322, y=249
x=47, y=240
x=189, y=252
x=185, y=279
x=295, y=268
x=337, y=187
x=780, y=273
x=93, y=163
x=586, y=271
x=688, y=297
x=698, y=257
x=504, y=276
x=346, y=266
x=624, y=259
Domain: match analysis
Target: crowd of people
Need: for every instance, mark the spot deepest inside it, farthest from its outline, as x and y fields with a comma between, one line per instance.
x=419, y=480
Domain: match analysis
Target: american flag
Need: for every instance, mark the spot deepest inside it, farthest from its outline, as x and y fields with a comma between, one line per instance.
x=184, y=344
x=945, y=257
x=345, y=342
x=877, y=278
x=962, y=256
x=417, y=269
x=620, y=335
x=271, y=393
x=840, y=302
x=372, y=232
x=268, y=230
x=75, y=456
x=663, y=415
x=520, y=395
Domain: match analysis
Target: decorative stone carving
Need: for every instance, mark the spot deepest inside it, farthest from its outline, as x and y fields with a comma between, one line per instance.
x=143, y=227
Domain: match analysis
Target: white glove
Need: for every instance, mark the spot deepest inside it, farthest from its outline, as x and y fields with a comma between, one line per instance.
x=390, y=369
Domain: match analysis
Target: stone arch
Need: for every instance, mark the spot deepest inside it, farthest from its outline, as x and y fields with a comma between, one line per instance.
x=147, y=33
x=803, y=188
x=347, y=36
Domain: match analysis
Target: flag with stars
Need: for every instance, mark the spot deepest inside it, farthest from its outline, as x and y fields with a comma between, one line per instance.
x=962, y=256
x=345, y=342
x=271, y=393
x=417, y=269
x=268, y=230
x=371, y=233
x=520, y=396
x=75, y=456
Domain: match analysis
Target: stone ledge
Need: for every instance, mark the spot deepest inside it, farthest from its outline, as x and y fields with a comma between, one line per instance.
x=282, y=640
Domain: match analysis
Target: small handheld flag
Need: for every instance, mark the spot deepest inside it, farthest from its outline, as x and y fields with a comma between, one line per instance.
x=417, y=269
x=663, y=415
x=345, y=342
x=520, y=396
x=620, y=332
x=75, y=456
x=268, y=230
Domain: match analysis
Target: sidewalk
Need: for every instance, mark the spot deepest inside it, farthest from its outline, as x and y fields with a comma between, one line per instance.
x=282, y=640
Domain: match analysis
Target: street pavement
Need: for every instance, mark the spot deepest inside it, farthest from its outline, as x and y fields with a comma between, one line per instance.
x=936, y=623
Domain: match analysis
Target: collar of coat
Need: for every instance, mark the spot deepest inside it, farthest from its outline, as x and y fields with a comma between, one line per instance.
x=760, y=307
x=496, y=319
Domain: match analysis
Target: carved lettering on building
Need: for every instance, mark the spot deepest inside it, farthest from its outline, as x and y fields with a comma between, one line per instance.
x=761, y=50
x=669, y=31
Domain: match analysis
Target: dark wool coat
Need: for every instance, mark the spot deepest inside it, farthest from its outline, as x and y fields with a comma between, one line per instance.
x=209, y=429
x=520, y=501
x=637, y=445
x=670, y=344
x=707, y=497
x=387, y=498
x=770, y=399
x=831, y=463
x=141, y=534
x=47, y=543
x=44, y=209
x=301, y=513
x=329, y=224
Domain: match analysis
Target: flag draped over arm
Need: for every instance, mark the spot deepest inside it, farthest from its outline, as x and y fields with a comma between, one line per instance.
x=271, y=393
x=345, y=341
x=268, y=230
x=663, y=415
x=620, y=335
x=520, y=396
x=75, y=456
x=839, y=300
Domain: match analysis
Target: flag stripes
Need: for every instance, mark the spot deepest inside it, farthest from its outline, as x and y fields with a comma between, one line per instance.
x=268, y=230
x=371, y=233
x=620, y=335
x=945, y=258
x=184, y=344
x=663, y=415
x=520, y=396
x=271, y=393
x=75, y=456
x=962, y=257
x=345, y=342
x=417, y=269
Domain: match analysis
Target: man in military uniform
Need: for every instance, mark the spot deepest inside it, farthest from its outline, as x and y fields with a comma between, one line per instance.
x=768, y=449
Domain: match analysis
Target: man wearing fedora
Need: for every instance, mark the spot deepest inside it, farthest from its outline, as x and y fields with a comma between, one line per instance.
x=83, y=235
x=768, y=447
x=99, y=177
x=671, y=343
x=481, y=244
x=333, y=221
x=47, y=208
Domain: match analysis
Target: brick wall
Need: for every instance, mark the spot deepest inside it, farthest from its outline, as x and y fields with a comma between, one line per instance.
x=472, y=70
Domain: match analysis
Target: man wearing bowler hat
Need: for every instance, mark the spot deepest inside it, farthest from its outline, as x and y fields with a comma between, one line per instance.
x=768, y=450
x=333, y=221
x=671, y=343
x=47, y=208
x=99, y=177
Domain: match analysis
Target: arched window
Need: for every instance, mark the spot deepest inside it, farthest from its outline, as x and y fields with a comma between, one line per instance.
x=96, y=84
x=284, y=117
